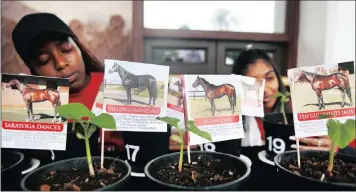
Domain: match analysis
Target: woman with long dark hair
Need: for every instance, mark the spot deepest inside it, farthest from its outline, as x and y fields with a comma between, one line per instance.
x=49, y=48
x=256, y=63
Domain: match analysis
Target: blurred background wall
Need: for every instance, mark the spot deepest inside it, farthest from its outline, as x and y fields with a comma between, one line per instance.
x=327, y=32
x=104, y=27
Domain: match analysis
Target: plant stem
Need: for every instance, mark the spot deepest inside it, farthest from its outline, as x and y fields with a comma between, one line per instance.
x=180, y=165
x=331, y=157
x=87, y=149
x=90, y=163
x=283, y=113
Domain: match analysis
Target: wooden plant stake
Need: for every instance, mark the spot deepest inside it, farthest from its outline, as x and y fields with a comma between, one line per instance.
x=298, y=152
x=102, y=149
x=188, y=150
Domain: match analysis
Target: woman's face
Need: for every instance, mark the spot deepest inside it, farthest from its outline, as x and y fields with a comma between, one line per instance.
x=61, y=58
x=263, y=70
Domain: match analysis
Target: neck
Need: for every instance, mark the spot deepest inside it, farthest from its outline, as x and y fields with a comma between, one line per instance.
x=308, y=77
x=268, y=110
x=122, y=75
x=20, y=87
x=205, y=86
x=85, y=84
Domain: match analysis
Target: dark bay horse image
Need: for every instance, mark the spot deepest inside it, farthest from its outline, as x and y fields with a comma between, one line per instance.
x=180, y=93
x=254, y=87
x=213, y=92
x=321, y=83
x=32, y=95
x=141, y=82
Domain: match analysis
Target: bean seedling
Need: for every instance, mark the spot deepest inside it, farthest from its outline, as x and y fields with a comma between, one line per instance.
x=181, y=132
x=89, y=122
x=341, y=134
x=284, y=98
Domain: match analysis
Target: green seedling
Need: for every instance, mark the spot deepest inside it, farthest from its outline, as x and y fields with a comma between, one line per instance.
x=284, y=98
x=341, y=134
x=89, y=122
x=181, y=132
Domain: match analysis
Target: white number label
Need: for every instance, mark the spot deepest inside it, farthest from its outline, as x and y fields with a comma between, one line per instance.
x=134, y=153
x=207, y=147
x=276, y=145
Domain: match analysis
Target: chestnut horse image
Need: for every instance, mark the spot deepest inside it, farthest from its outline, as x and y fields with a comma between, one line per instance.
x=213, y=92
x=321, y=83
x=32, y=95
x=180, y=93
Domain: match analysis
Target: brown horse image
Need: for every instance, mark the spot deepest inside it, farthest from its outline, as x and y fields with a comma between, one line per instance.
x=254, y=87
x=180, y=93
x=213, y=92
x=321, y=83
x=31, y=95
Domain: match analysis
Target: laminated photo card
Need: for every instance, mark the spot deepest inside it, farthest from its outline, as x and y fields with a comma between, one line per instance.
x=175, y=105
x=323, y=89
x=252, y=96
x=213, y=102
x=97, y=108
x=28, y=116
x=135, y=94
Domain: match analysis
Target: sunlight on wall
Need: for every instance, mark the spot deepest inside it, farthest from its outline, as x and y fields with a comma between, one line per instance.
x=242, y=16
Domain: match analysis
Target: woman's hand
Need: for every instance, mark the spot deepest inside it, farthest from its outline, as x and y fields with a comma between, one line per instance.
x=313, y=143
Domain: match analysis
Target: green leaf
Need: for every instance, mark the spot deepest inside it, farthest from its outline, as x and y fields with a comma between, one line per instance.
x=278, y=94
x=286, y=94
x=74, y=111
x=177, y=139
x=79, y=135
x=169, y=120
x=91, y=130
x=341, y=133
x=104, y=120
x=194, y=129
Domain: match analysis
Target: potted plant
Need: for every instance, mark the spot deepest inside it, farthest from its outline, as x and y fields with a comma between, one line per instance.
x=322, y=170
x=83, y=173
x=278, y=128
x=205, y=171
x=12, y=165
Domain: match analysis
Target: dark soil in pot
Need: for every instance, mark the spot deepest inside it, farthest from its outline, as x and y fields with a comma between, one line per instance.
x=12, y=165
x=207, y=171
x=277, y=134
x=314, y=164
x=73, y=175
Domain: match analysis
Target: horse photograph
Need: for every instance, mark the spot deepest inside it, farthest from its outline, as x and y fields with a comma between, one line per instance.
x=33, y=101
x=315, y=92
x=213, y=95
x=252, y=91
x=175, y=92
x=134, y=84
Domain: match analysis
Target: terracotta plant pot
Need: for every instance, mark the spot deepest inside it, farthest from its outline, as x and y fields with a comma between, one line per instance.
x=220, y=162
